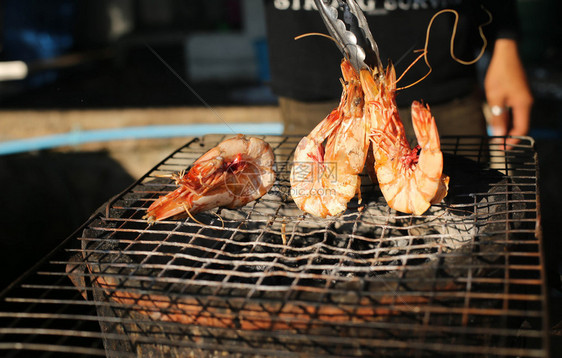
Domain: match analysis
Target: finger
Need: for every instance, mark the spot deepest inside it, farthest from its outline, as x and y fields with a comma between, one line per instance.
x=520, y=115
x=499, y=120
x=520, y=119
x=498, y=125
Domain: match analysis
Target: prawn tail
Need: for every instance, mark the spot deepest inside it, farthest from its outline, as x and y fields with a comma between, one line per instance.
x=425, y=127
x=431, y=180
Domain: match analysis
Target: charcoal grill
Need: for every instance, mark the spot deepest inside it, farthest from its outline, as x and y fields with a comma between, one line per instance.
x=464, y=279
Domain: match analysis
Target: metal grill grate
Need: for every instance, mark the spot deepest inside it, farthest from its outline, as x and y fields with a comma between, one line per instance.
x=464, y=279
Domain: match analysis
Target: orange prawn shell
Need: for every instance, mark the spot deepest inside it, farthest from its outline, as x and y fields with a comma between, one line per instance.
x=330, y=173
x=213, y=182
x=409, y=186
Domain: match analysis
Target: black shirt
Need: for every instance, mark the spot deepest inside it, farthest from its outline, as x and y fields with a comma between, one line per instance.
x=308, y=69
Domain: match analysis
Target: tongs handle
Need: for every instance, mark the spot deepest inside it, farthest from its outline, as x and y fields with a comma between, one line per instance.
x=352, y=34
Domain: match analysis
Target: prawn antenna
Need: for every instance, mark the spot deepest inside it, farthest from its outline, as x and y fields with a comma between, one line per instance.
x=346, y=55
x=315, y=34
x=424, y=51
x=191, y=216
x=221, y=220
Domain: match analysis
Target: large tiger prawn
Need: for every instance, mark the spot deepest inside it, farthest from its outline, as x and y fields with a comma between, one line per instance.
x=235, y=172
x=325, y=177
x=410, y=179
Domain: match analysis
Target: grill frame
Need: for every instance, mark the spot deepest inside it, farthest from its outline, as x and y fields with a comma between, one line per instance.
x=264, y=319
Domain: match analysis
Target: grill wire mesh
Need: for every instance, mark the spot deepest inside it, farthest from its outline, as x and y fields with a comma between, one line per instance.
x=464, y=279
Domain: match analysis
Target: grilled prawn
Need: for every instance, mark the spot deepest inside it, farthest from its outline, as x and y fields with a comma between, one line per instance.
x=410, y=179
x=232, y=174
x=325, y=177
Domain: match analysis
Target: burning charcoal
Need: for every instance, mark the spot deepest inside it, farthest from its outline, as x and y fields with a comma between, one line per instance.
x=265, y=279
x=503, y=204
x=444, y=229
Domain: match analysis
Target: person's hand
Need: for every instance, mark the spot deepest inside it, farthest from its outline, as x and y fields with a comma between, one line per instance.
x=506, y=88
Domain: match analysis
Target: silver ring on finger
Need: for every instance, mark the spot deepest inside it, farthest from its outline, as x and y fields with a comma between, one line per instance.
x=498, y=110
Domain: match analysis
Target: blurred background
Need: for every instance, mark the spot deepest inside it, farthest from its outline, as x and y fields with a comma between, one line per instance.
x=94, y=93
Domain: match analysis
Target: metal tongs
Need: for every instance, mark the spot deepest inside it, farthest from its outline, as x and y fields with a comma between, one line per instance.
x=351, y=34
